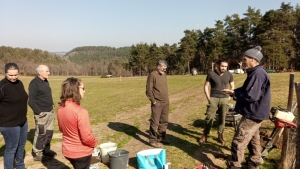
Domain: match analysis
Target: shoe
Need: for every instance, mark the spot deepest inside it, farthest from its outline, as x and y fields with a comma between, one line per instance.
x=38, y=157
x=50, y=154
x=155, y=144
x=203, y=139
x=221, y=139
x=165, y=141
x=251, y=164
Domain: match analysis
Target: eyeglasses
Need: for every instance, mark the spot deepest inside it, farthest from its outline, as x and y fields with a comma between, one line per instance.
x=82, y=88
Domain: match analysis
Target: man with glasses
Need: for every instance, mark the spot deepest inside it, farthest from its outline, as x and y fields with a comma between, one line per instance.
x=41, y=102
x=253, y=102
x=157, y=92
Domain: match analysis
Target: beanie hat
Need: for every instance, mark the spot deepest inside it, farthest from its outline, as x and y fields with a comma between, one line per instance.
x=254, y=53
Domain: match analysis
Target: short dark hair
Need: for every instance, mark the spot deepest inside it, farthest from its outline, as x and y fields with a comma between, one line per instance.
x=221, y=60
x=11, y=66
x=70, y=90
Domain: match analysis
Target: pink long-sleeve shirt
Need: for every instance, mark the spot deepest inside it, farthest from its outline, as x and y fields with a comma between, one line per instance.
x=74, y=123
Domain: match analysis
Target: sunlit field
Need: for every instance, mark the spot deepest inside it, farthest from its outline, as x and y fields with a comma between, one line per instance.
x=105, y=98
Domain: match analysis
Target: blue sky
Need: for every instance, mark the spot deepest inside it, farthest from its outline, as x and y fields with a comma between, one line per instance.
x=61, y=25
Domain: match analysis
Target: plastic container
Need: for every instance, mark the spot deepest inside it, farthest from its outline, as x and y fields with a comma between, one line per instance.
x=118, y=159
x=95, y=161
x=104, y=149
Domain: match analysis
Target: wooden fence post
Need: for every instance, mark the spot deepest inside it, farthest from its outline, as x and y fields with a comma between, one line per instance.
x=297, y=87
x=285, y=160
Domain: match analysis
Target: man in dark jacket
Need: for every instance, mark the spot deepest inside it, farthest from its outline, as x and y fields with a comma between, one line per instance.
x=253, y=102
x=41, y=102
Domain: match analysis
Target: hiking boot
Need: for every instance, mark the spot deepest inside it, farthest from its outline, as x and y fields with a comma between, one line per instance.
x=38, y=157
x=221, y=139
x=155, y=145
x=165, y=141
x=50, y=153
x=203, y=139
x=251, y=164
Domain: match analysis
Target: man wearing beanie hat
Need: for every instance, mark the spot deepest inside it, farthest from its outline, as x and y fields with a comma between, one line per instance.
x=253, y=103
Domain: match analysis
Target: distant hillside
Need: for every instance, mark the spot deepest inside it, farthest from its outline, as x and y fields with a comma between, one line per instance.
x=86, y=54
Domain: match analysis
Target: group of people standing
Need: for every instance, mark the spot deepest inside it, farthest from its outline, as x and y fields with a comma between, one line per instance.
x=78, y=140
x=252, y=102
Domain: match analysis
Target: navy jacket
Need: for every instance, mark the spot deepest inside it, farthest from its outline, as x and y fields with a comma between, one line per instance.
x=253, y=99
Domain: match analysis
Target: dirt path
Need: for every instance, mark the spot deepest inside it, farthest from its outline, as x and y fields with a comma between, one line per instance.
x=190, y=99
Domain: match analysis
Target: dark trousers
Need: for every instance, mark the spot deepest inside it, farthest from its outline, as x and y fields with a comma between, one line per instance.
x=159, y=121
x=81, y=163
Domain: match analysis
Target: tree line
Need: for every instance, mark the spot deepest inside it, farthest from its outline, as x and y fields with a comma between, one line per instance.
x=86, y=61
x=277, y=32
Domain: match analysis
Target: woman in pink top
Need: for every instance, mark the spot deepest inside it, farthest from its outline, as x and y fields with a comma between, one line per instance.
x=73, y=121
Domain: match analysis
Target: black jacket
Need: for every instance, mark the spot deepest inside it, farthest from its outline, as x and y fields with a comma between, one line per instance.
x=13, y=103
x=40, y=96
x=253, y=99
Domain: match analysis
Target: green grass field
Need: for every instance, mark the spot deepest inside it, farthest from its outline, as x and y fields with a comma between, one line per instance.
x=105, y=98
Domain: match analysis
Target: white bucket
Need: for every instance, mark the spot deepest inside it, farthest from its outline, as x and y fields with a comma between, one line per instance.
x=105, y=148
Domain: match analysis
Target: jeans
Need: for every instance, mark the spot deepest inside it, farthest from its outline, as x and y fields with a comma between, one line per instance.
x=15, y=140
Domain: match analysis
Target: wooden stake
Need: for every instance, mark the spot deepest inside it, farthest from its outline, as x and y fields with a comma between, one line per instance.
x=285, y=160
x=297, y=87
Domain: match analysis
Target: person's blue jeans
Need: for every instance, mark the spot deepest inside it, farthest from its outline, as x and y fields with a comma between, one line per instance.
x=15, y=140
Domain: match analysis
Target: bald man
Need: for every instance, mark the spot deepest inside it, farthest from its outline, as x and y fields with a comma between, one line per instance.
x=41, y=102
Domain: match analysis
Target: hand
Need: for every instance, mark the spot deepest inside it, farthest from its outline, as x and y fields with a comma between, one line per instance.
x=227, y=91
x=41, y=114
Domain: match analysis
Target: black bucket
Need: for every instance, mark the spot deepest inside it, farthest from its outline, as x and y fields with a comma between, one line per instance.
x=118, y=159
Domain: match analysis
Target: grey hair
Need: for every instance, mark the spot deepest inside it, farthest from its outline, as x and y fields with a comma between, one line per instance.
x=162, y=63
x=40, y=68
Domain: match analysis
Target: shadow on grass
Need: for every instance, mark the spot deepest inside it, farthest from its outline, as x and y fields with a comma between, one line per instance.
x=30, y=135
x=130, y=131
x=192, y=149
x=49, y=163
x=198, y=152
x=52, y=163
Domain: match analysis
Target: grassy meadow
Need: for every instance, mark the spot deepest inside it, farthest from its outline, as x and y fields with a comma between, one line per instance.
x=106, y=98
